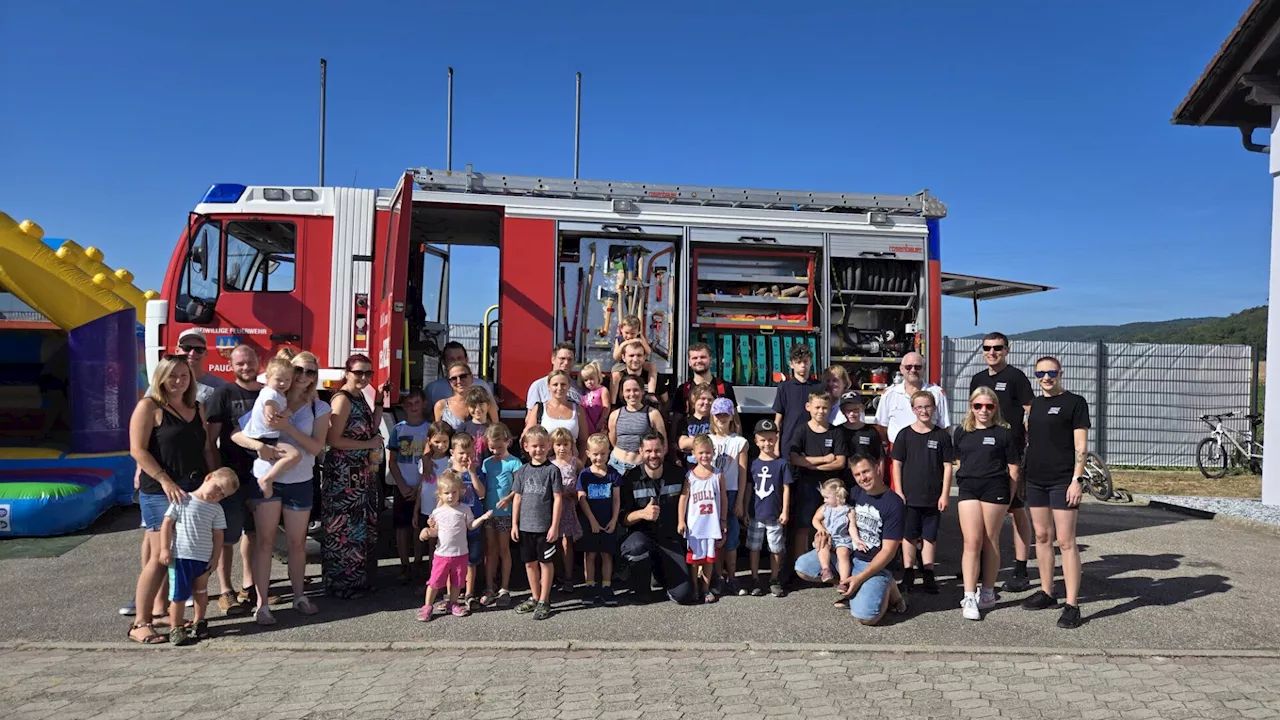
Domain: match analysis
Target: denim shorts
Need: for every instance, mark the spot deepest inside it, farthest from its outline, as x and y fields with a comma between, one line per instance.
x=866, y=604
x=153, y=509
x=622, y=467
x=295, y=496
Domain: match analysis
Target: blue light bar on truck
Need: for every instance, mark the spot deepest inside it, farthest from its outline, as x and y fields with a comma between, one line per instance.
x=223, y=193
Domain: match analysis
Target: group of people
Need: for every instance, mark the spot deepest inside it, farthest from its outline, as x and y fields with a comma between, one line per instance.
x=618, y=467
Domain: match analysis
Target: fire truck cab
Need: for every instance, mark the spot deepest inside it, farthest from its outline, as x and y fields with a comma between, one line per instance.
x=337, y=271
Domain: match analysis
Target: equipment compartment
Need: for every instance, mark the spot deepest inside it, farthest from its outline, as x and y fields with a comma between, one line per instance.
x=752, y=289
x=753, y=358
x=875, y=316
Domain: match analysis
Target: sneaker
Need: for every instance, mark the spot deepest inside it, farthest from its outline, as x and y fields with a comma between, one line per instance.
x=1039, y=600
x=1017, y=583
x=1070, y=618
x=201, y=630
x=504, y=599
x=970, y=607
x=230, y=605
x=264, y=617
x=760, y=588
x=129, y=610
x=986, y=599
x=929, y=583
x=313, y=527
x=425, y=613
x=542, y=611
x=566, y=586
x=742, y=589
x=827, y=576
x=460, y=610
x=181, y=636
x=304, y=606
x=607, y=596
x=527, y=606
x=776, y=589
x=711, y=596
x=908, y=580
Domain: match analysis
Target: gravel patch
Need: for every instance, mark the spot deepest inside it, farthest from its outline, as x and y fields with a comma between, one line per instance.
x=1245, y=508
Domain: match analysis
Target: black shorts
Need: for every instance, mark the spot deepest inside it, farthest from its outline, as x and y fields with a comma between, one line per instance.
x=233, y=508
x=806, y=498
x=601, y=542
x=535, y=548
x=1051, y=496
x=987, y=490
x=1019, y=499
x=921, y=522
x=401, y=510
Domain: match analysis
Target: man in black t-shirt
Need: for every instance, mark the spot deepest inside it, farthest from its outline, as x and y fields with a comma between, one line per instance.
x=700, y=371
x=1014, y=392
x=650, y=512
x=223, y=411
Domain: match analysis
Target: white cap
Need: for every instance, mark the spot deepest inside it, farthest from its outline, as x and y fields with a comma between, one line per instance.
x=193, y=333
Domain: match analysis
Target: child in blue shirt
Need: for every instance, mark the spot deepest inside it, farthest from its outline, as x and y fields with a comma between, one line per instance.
x=498, y=474
x=599, y=499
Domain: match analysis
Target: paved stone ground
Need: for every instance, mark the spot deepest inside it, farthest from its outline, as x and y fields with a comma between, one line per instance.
x=655, y=685
x=1152, y=579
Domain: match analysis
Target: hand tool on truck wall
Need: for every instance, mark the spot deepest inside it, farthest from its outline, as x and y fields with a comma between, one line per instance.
x=579, y=348
x=564, y=307
x=586, y=299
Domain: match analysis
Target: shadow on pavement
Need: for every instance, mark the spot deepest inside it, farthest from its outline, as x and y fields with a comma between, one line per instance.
x=1102, y=583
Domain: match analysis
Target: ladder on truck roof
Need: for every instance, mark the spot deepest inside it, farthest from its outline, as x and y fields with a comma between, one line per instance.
x=468, y=181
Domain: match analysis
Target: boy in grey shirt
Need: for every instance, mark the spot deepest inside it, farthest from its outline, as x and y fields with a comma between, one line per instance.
x=192, y=530
x=535, y=520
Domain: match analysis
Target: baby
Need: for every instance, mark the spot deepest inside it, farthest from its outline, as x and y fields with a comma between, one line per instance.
x=271, y=407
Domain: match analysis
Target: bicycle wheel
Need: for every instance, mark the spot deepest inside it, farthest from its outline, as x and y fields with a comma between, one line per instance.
x=1097, y=477
x=1211, y=458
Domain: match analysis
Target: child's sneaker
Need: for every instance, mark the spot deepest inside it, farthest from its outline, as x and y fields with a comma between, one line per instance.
x=776, y=589
x=908, y=580
x=460, y=610
x=607, y=596
x=181, y=636
x=986, y=598
x=566, y=586
x=264, y=617
x=970, y=607
x=760, y=588
x=504, y=599
x=827, y=576
x=541, y=611
x=527, y=606
x=930, y=583
x=425, y=613
x=741, y=588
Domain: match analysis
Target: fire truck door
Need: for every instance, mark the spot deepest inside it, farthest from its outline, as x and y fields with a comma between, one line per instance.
x=391, y=259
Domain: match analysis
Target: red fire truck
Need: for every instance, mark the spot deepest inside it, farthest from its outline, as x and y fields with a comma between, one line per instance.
x=337, y=271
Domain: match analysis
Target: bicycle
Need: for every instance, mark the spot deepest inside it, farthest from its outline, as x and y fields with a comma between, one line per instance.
x=1097, y=478
x=1226, y=447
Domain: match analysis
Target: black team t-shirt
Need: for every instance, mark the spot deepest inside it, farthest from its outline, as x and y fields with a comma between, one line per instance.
x=985, y=454
x=1051, y=437
x=879, y=518
x=923, y=457
x=864, y=441
x=227, y=405
x=817, y=444
x=1013, y=390
x=789, y=402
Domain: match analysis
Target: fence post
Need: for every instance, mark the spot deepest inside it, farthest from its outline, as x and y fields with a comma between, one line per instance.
x=1253, y=378
x=1101, y=420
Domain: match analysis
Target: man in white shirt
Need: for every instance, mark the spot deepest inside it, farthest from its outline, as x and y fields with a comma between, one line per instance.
x=561, y=359
x=438, y=389
x=894, y=411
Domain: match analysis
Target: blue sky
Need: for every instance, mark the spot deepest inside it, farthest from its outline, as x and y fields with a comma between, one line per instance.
x=1043, y=126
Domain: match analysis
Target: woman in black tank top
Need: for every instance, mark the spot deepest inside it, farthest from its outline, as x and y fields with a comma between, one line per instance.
x=167, y=440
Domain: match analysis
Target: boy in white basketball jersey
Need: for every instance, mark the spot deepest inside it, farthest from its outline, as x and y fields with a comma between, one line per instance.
x=703, y=515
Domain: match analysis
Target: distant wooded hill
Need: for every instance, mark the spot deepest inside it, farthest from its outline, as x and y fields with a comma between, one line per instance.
x=1247, y=327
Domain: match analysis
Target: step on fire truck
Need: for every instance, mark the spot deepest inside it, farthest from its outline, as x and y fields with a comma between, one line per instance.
x=337, y=271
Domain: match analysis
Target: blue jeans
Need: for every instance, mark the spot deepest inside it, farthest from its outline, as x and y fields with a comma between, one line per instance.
x=866, y=604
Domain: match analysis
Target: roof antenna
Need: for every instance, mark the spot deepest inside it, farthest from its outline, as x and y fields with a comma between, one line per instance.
x=323, y=66
x=448, y=128
x=577, y=126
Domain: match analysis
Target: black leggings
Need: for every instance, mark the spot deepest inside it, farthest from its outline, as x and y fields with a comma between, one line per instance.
x=639, y=551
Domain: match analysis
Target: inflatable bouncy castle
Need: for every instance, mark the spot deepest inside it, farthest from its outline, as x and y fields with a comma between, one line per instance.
x=68, y=383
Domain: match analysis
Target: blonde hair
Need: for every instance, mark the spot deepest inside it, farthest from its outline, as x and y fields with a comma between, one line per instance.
x=448, y=478
x=838, y=372
x=497, y=432
x=300, y=359
x=226, y=477
x=599, y=441
x=630, y=321
x=562, y=436
x=836, y=485
x=537, y=432
x=591, y=370
x=279, y=366
x=164, y=370
x=287, y=354
x=704, y=440
x=730, y=428
x=970, y=422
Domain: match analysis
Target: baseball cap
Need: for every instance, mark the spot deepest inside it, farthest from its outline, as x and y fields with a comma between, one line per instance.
x=766, y=426
x=722, y=406
x=851, y=397
x=192, y=334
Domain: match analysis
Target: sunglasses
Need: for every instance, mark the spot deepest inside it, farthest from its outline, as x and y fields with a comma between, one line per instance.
x=459, y=378
x=361, y=373
x=309, y=372
x=1048, y=373
x=912, y=367
x=984, y=406
x=197, y=349
x=992, y=348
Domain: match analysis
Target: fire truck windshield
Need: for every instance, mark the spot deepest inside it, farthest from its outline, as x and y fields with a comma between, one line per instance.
x=260, y=256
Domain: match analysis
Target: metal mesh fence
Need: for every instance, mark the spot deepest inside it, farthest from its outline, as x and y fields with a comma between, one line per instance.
x=1144, y=399
x=470, y=336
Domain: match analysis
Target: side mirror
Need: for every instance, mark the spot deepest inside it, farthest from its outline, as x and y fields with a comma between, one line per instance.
x=199, y=312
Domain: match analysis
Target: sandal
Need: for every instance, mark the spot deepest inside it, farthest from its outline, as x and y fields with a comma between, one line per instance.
x=151, y=638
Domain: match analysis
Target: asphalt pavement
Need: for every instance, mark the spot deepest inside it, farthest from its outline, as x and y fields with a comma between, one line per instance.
x=1152, y=579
